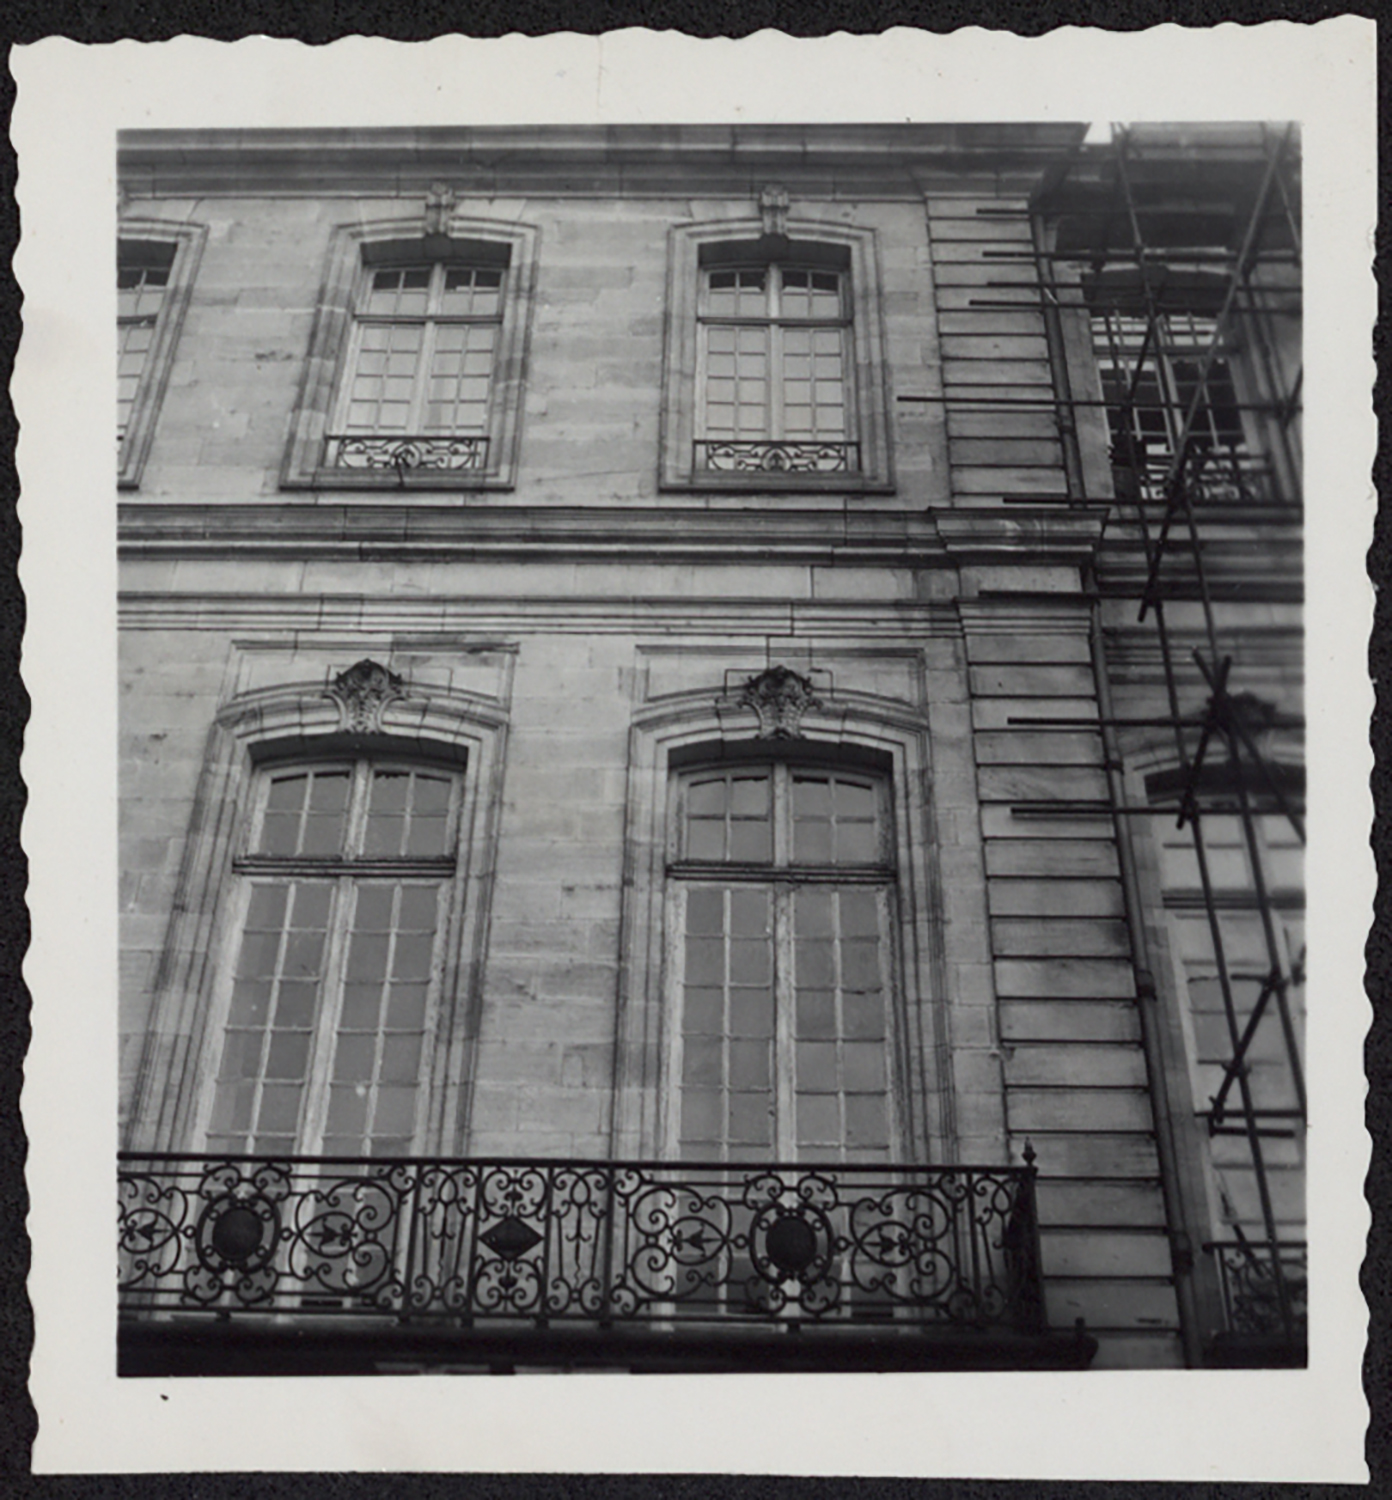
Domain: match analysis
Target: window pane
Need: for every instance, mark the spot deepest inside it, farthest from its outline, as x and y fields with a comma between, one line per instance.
x=750, y=1065
x=703, y=1062
x=828, y=1013
x=751, y=1123
x=705, y=912
x=406, y=1006
x=401, y=1058
x=700, y=1116
x=703, y=1011
x=819, y=1121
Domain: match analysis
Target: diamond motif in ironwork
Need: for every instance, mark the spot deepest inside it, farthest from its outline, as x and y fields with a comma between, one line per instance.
x=510, y=1238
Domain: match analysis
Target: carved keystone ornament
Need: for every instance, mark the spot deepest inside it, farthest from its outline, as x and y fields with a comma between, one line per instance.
x=780, y=697
x=362, y=692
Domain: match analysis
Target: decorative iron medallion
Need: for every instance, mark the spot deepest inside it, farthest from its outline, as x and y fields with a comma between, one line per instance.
x=237, y=1233
x=791, y=1244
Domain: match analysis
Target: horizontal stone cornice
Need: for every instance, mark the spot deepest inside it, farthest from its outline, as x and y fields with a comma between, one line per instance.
x=645, y=534
x=1021, y=534
x=447, y=616
x=858, y=161
x=854, y=161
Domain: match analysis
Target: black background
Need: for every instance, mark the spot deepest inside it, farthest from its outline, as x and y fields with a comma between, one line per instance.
x=318, y=21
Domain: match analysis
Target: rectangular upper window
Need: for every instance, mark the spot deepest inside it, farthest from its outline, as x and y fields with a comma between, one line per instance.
x=774, y=367
x=155, y=265
x=419, y=380
x=415, y=369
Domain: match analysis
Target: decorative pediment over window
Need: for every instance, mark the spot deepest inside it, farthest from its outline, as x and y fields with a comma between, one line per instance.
x=362, y=691
x=780, y=697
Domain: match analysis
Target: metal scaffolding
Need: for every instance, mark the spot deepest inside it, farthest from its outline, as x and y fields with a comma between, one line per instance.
x=1176, y=254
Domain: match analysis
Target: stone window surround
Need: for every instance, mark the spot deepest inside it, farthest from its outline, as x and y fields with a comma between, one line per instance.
x=672, y=733
x=304, y=721
x=686, y=244
x=188, y=241
x=351, y=249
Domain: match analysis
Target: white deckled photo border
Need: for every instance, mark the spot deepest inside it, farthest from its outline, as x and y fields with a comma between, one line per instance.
x=1268, y=1425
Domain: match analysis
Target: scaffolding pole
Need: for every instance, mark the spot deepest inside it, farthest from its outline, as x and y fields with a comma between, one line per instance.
x=1168, y=496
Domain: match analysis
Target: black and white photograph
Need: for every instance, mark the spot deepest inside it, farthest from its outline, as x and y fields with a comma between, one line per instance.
x=709, y=729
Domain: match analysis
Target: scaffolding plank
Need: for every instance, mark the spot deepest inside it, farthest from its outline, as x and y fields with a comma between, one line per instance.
x=1101, y=1154
x=999, y=822
x=1049, y=857
x=1077, y=1063
x=1088, y=1251
x=1090, y=1201
x=1054, y=896
x=1011, y=782
x=950, y=249
x=968, y=422
x=1068, y=978
x=1013, y=648
x=950, y=223
x=1078, y=1108
x=1009, y=451
x=1068, y=1021
x=983, y=320
x=970, y=480
x=986, y=276
x=1006, y=681
x=996, y=373
x=1059, y=937
x=1019, y=713
x=1104, y=1305
x=999, y=747
x=985, y=345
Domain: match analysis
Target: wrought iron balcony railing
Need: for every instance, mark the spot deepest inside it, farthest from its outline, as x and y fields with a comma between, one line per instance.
x=775, y=457
x=538, y=1243
x=405, y=455
x=1264, y=1290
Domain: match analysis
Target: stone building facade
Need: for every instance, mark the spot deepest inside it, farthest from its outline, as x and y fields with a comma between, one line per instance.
x=631, y=654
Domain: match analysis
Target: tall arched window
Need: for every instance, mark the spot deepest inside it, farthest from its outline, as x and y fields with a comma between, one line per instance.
x=781, y=882
x=332, y=988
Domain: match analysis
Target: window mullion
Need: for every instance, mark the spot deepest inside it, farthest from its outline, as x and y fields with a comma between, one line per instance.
x=784, y=1064
x=415, y=422
x=330, y=1009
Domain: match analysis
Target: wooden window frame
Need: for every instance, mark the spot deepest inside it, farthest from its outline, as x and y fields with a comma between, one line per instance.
x=355, y=252
x=186, y=242
x=782, y=876
x=738, y=243
x=344, y=872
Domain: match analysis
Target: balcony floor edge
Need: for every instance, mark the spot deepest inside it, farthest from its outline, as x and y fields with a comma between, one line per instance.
x=161, y=1350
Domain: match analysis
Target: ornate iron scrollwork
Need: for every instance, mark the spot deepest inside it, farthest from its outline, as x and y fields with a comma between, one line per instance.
x=404, y=455
x=764, y=457
x=600, y=1242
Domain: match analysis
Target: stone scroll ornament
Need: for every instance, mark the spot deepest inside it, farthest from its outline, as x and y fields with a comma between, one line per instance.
x=780, y=697
x=362, y=692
